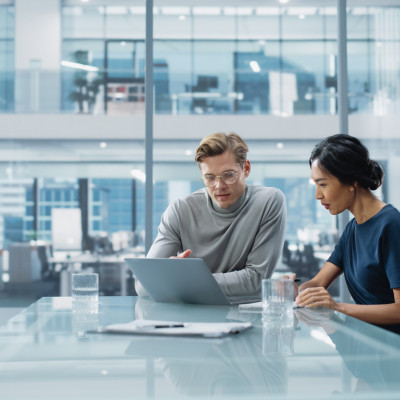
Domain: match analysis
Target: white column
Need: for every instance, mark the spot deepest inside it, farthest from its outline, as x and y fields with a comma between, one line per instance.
x=392, y=181
x=37, y=55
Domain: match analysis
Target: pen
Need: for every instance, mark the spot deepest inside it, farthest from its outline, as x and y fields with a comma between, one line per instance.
x=297, y=280
x=166, y=326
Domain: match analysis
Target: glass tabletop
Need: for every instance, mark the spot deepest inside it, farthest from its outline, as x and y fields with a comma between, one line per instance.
x=46, y=353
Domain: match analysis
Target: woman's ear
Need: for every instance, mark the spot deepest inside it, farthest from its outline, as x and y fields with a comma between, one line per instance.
x=353, y=186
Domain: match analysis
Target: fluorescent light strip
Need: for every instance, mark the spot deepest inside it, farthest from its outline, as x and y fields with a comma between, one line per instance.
x=175, y=10
x=142, y=10
x=206, y=10
x=301, y=11
x=243, y=11
x=75, y=65
x=362, y=11
x=268, y=11
x=113, y=10
x=328, y=11
x=137, y=10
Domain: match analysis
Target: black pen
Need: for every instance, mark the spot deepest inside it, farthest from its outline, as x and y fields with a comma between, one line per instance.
x=166, y=326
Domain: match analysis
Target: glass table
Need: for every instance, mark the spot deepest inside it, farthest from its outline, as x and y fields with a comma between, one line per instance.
x=46, y=353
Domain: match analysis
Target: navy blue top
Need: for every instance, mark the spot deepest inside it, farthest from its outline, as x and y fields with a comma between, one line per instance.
x=369, y=255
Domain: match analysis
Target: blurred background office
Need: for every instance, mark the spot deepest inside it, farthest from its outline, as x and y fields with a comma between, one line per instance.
x=72, y=117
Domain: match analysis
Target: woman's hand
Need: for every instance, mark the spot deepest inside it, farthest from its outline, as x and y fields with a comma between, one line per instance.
x=316, y=297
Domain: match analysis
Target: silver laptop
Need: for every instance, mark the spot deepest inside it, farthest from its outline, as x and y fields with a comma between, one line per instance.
x=181, y=280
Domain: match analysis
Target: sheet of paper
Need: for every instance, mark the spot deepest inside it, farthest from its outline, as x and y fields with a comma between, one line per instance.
x=177, y=328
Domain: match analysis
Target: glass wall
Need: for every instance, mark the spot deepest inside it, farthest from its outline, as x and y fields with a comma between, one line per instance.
x=264, y=60
x=6, y=58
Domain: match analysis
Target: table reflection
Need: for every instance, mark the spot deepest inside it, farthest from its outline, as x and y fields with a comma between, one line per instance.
x=368, y=357
x=278, y=338
x=230, y=366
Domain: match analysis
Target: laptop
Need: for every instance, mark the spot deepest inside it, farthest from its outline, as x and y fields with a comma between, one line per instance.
x=181, y=280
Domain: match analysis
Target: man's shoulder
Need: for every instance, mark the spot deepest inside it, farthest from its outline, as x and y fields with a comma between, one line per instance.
x=265, y=193
x=194, y=198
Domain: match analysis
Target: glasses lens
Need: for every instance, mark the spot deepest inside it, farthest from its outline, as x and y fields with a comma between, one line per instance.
x=229, y=177
x=210, y=181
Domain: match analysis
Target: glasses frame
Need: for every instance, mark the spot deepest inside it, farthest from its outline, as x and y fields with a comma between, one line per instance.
x=214, y=183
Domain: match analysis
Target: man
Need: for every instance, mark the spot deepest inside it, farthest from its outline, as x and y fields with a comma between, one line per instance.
x=237, y=229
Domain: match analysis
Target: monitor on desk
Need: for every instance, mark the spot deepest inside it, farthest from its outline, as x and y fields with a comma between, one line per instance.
x=66, y=229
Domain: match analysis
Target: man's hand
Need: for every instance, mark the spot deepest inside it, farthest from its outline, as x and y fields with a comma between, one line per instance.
x=184, y=254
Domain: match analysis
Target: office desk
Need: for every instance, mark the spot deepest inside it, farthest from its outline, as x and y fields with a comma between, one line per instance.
x=44, y=354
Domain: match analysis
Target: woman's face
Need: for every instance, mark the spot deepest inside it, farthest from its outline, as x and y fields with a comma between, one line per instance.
x=333, y=195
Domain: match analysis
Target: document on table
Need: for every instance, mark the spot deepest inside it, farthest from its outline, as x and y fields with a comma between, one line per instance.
x=257, y=306
x=168, y=328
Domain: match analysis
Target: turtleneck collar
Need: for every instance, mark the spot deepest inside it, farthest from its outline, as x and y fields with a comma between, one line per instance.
x=231, y=209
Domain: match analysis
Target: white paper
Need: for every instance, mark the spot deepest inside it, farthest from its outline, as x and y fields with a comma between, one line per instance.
x=206, y=329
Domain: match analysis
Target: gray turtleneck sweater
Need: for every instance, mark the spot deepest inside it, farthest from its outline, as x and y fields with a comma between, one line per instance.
x=241, y=244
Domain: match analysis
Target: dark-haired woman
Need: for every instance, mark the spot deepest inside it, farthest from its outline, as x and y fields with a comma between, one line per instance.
x=368, y=252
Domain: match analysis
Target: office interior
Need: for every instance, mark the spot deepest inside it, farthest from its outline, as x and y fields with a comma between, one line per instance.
x=73, y=122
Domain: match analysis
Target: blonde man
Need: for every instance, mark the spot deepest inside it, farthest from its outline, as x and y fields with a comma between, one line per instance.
x=237, y=229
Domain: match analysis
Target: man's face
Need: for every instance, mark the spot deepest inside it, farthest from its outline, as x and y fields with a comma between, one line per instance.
x=225, y=194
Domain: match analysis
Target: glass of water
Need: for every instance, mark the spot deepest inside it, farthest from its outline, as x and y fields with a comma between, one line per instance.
x=85, y=293
x=277, y=299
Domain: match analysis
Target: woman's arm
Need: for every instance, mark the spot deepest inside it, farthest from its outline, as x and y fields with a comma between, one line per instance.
x=314, y=294
x=328, y=273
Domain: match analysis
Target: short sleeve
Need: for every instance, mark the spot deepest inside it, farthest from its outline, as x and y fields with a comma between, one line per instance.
x=337, y=256
x=390, y=251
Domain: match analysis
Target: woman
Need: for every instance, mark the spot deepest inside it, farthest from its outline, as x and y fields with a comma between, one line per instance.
x=368, y=252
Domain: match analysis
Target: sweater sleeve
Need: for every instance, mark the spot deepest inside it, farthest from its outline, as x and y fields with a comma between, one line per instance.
x=265, y=252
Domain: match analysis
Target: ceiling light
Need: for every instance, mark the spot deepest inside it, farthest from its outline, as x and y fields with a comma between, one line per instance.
x=206, y=10
x=328, y=11
x=75, y=65
x=302, y=16
x=279, y=145
x=255, y=66
x=188, y=152
x=175, y=10
x=142, y=10
x=268, y=11
x=238, y=11
x=103, y=145
x=283, y=1
x=301, y=11
x=113, y=10
x=182, y=17
x=138, y=10
x=360, y=11
x=123, y=43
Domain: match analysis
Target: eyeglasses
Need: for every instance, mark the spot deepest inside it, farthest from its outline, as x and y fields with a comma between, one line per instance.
x=228, y=177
